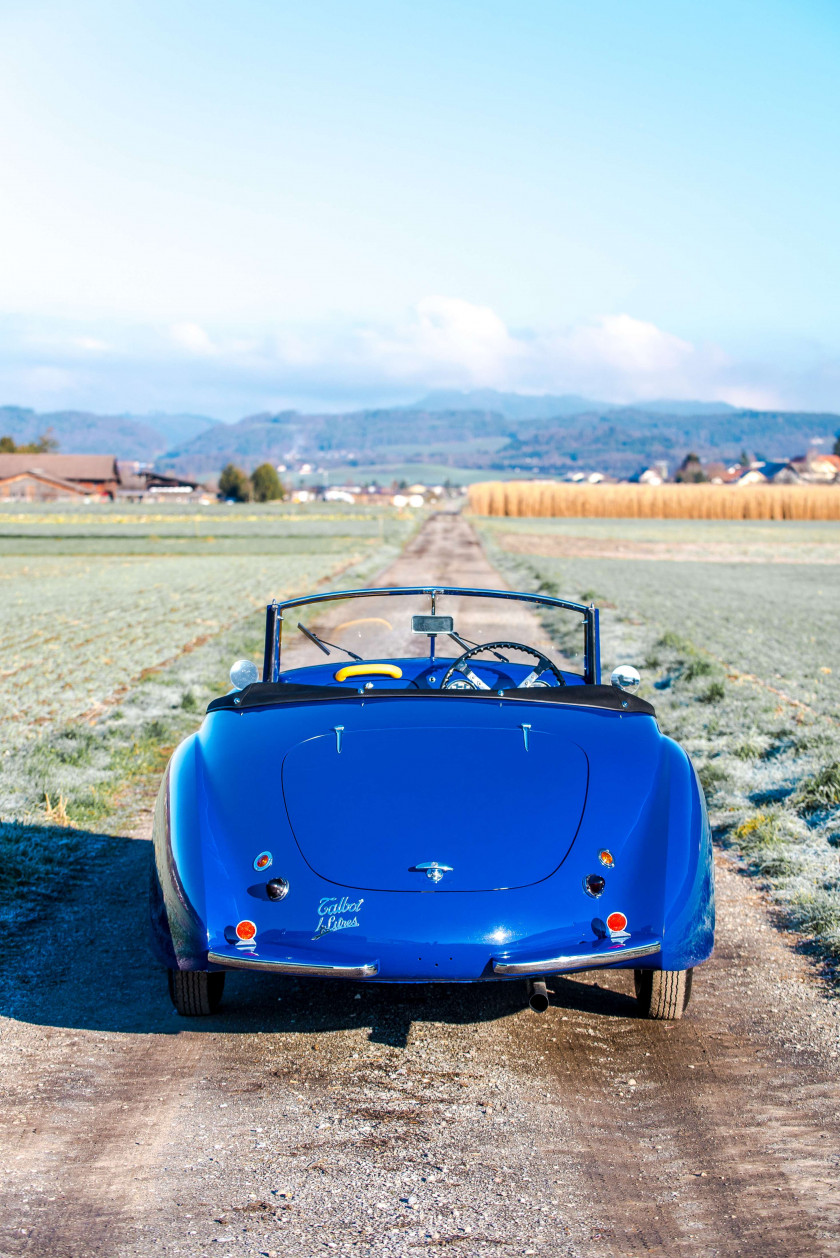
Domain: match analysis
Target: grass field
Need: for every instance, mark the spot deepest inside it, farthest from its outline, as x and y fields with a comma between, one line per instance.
x=117, y=625
x=129, y=529
x=762, y=598
x=739, y=658
x=103, y=595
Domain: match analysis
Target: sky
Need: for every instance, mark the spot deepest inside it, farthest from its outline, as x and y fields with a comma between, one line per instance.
x=224, y=208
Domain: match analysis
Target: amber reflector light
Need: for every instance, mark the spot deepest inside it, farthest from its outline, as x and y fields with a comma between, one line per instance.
x=606, y=858
x=247, y=930
x=615, y=921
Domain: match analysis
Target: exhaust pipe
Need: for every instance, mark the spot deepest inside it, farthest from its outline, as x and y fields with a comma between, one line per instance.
x=537, y=995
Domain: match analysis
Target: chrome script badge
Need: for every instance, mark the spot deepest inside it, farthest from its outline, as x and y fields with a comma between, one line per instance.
x=331, y=915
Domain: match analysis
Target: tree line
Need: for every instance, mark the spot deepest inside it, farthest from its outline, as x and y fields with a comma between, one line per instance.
x=44, y=445
x=263, y=485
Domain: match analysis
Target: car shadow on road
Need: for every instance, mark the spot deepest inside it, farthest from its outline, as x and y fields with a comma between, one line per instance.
x=77, y=957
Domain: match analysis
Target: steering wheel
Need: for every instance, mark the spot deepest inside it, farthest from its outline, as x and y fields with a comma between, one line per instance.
x=462, y=665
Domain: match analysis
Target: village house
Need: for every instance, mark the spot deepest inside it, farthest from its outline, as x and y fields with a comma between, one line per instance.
x=139, y=483
x=758, y=472
x=50, y=477
x=80, y=477
x=33, y=486
x=824, y=468
x=656, y=475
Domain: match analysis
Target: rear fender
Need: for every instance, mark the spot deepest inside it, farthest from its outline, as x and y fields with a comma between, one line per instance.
x=689, y=922
x=179, y=934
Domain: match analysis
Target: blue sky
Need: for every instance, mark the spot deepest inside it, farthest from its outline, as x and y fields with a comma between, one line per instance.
x=225, y=207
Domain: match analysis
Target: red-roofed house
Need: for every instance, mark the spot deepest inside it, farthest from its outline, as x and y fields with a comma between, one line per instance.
x=44, y=477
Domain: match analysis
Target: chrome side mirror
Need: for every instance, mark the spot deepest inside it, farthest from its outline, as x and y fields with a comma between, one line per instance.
x=625, y=677
x=243, y=673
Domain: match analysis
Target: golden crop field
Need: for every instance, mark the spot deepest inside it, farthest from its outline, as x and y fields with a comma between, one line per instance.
x=669, y=502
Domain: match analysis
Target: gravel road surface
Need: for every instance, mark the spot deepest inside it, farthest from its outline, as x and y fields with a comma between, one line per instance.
x=310, y=1119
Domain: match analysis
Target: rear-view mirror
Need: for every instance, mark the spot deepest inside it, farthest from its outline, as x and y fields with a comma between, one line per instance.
x=431, y=624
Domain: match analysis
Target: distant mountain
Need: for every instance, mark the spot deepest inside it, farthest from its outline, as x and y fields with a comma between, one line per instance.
x=548, y=406
x=666, y=406
x=487, y=435
x=511, y=405
x=620, y=442
x=141, y=437
x=175, y=429
x=614, y=440
x=361, y=437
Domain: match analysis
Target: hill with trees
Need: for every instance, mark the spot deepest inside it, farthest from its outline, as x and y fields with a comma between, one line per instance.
x=141, y=437
x=615, y=439
x=485, y=430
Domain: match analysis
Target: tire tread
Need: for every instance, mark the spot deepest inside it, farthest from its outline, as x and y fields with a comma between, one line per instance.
x=663, y=994
x=196, y=993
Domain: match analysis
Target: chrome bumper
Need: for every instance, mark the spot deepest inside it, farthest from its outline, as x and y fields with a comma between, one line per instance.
x=366, y=970
x=580, y=961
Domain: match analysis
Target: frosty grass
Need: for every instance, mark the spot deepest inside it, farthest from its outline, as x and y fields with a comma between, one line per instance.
x=741, y=663
x=107, y=660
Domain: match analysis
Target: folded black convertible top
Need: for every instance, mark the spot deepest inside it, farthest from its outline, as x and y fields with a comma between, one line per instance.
x=270, y=693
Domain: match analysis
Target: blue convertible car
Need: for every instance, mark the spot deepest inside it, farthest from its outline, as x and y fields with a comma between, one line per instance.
x=431, y=785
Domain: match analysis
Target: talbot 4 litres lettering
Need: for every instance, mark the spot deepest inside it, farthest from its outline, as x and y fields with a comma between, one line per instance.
x=331, y=915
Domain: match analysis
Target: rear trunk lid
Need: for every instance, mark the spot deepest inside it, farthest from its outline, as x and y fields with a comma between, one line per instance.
x=492, y=808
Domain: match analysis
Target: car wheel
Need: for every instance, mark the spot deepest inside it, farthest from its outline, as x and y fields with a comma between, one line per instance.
x=663, y=994
x=196, y=992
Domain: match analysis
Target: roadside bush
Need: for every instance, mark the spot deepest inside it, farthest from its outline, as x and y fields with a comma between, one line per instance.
x=715, y=692
x=76, y=746
x=776, y=864
x=758, y=833
x=711, y=777
x=674, y=642
x=810, y=740
x=762, y=840
x=600, y=600
x=820, y=791
x=699, y=667
x=817, y=913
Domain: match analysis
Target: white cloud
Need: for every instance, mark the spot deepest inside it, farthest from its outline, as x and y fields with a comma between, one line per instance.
x=443, y=342
x=750, y=397
x=92, y=344
x=448, y=342
x=192, y=337
x=627, y=345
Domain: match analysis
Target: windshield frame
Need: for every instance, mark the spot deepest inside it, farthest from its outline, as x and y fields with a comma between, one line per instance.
x=274, y=617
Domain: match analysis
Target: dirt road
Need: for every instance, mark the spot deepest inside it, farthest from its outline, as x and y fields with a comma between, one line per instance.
x=335, y=1119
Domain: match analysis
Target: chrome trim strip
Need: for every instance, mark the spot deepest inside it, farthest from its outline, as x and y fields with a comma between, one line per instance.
x=456, y=590
x=366, y=970
x=583, y=961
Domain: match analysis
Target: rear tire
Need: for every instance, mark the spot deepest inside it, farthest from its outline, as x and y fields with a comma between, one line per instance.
x=663, y=994
x=195, y=993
